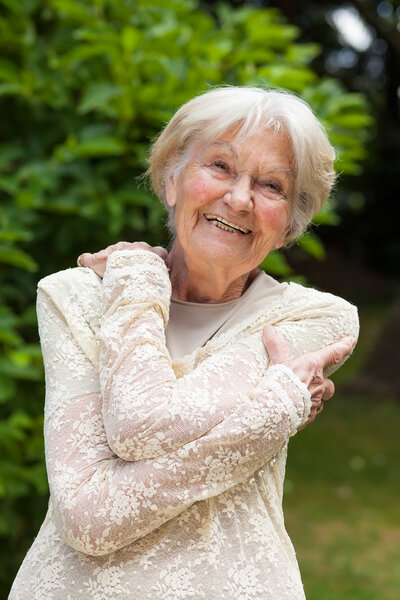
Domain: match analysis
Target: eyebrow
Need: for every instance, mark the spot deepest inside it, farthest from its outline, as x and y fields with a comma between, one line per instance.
x=290, y=172
x=226, y=146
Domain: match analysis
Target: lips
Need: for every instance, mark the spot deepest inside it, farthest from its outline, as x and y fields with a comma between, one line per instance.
x=225, y=224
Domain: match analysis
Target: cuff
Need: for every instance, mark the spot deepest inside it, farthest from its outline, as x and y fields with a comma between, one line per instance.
x=136, y=277
x=292, y=391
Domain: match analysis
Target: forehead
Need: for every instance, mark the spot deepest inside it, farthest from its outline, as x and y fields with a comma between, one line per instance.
x=263, y=146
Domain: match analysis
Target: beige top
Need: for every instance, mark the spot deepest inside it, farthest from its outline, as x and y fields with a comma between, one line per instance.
x=166, y=476
x=193, y=324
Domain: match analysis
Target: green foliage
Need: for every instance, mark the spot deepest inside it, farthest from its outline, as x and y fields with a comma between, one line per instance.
x=276, y=263
x=341, y=492
x=85, y=85
x=312, y=245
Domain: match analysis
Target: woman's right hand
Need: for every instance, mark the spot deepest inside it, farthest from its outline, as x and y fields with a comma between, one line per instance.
x=98, y=261
x=310, y=367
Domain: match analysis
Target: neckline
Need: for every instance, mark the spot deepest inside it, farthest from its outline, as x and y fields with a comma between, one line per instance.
x=214, y=305
x=218, y=341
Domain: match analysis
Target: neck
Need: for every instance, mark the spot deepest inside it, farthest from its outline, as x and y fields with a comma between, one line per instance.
x=197, y=281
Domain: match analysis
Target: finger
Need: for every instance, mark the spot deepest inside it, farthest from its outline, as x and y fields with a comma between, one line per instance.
x=276, y=346
x=85, y=260
x=334, y=353
x=99, y=257
x=329, y=390
x=122, y=245
x=311, y=418
x=97, y=261
x=79, y=260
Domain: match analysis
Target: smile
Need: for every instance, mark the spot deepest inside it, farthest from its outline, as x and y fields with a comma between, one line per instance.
x=225, y=225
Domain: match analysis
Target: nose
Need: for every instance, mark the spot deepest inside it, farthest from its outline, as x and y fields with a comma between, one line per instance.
x=240, y=195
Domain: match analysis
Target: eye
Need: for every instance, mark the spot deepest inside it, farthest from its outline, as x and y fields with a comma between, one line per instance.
x=220, y=164
x=273, y=185
x=272, y=188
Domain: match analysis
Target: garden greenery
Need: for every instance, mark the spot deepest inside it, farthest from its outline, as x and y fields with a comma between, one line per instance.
x=85, y=85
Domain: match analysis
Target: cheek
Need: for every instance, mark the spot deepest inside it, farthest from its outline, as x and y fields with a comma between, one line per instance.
x=194, y=194
x=199, y=190
x=274, y=217
x=199, y=194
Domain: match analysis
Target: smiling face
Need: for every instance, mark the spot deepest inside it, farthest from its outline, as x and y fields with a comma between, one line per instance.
x=232, y=200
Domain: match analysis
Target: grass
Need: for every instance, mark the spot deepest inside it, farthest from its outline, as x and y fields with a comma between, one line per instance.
x=341, y=501
x=342, y=490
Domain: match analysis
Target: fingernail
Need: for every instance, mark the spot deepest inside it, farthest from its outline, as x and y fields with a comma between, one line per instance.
x=80, y=259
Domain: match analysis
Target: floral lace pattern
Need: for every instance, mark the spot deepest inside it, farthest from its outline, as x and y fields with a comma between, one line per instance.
x=166, y=476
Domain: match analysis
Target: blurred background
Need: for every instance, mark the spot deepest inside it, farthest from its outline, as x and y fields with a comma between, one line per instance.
x=85, y=85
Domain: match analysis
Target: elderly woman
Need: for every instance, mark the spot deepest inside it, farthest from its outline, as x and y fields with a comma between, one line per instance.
x=169, y=398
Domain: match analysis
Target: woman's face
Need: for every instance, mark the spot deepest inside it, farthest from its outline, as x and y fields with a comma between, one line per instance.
x=232, y=200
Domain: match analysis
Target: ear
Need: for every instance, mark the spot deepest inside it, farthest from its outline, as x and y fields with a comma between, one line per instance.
x=170, y=189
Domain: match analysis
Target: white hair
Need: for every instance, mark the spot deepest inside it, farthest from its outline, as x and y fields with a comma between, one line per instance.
x=206, y=117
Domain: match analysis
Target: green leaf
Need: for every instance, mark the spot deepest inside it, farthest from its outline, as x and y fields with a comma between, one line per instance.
x=24, y=371
x=76, y=11
x=7, y=388
x=285, y=77
x=10, y=337
x=327, y=215
x=9, y=153
x=9, y=185
x=21, y=420
x=9, y=71
x=352, y=120
x=326, y=219
x=97, y=97
x=96, y=146
x=101, y=146
x=10, y=89
x=340, y=103
x=84, y=52
x=17, y=258
x=130, y=38
x=262, y=26
x=276, y=264
x=301, y=53
x=311, y=244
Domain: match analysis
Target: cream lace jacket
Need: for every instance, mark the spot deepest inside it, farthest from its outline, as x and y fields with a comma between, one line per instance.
x=166, y=476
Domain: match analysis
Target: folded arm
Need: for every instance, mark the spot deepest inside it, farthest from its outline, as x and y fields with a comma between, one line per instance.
x=148, y=411
x=102, y=503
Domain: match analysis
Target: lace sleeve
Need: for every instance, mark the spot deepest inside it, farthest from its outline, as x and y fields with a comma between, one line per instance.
x=314, y=320
x=147, y=411
x=102, y=503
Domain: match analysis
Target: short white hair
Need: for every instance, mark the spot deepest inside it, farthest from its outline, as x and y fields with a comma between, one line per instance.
x=206, y=117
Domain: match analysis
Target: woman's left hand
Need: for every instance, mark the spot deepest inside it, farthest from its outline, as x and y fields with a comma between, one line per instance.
x=309, y=367
x=98, y=260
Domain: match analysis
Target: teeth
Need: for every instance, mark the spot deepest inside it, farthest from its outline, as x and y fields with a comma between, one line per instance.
x=226, y=225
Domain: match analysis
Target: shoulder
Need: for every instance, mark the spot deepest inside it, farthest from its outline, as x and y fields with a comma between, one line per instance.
x=75, y=295
x=78, y=286
x=306, y=302
x=77, y=278
x=310, y=297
